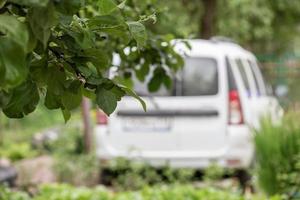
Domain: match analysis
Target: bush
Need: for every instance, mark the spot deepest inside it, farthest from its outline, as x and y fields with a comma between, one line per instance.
x=6, y=194
x=176, y=192
x=278, y=153
x=77, y=169
x=69, y=142
x=17, y=151
x=124, y=175
x=71, y=164
x=214, y=172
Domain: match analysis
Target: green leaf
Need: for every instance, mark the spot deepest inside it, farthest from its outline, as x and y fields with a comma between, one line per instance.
x=167, y=81
x=155, y=83
x=68, y=7
x=67, y=114
x=106, y=100
x=32, y=41
x=104, y=21
x=118, y=91
x=41, y=20
x=85, y=71
x=41, y=3
x=138, y=32
x=23, y=101
x=98, y=57
x=143, y=71
x=13, y=66
x=106, y=6
x=56, y=80
x=52, y=101
x=133, y=94
x=4, y=98
x=38, y=71
x=15, y=30
x=13, y=50
x=88, y=93
x=82, y=35
x=122, y=5
x=127, y=82
x=2, y=3
x=95, y=80
x=71, y=100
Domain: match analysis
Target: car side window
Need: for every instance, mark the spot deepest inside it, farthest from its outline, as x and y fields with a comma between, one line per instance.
x=231, y=80
x=261, y=82
x=255, y=77
x=243, y=74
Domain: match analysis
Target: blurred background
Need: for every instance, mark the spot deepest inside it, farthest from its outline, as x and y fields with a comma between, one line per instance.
x=42, y=149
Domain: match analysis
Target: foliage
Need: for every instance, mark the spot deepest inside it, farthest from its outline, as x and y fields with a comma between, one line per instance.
x=61, y=50
x=6, y=194
x=16, y=134
x=261, y=25
x=213, y=172
x=178, y=192
x=20, y=130
x=68, y=142
x=17, y=151
x=71, y=164
x=77, y=169
x=268, y=25
x=278, y=151
x=124, y=174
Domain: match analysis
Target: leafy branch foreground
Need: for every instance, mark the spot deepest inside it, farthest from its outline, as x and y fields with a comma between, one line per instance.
x=62, y=50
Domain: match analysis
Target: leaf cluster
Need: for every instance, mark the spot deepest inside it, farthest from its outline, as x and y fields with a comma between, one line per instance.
x=61, y=50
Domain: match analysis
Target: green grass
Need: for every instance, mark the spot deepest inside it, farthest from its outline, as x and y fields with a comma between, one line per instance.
x=162, y=192
x=16, y=134
x=22, y=129
x=277, y=156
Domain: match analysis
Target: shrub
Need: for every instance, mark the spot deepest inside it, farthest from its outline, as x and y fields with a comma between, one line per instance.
x=163, y=192
x=178, y=192
x=69, y=142
x=213, y=172
x=71, y=164
x=124, y=174
x=6, y=194
x=278, y=153
x=17, y=151
x=77, y=169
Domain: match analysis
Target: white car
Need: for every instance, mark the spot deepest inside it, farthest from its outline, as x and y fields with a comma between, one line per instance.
x=218, y=98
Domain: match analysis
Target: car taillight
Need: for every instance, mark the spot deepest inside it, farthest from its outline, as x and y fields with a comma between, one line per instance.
x=101, y=117
x=235, y=108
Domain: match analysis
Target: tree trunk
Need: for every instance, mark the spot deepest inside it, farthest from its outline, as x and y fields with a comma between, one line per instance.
x=208, y=19
x=1, y=133
x=87, y=125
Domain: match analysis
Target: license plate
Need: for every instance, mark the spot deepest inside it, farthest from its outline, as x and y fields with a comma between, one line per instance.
x=146, y=124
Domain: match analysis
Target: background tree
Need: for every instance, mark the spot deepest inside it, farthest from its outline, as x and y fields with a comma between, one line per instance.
x=261, y=25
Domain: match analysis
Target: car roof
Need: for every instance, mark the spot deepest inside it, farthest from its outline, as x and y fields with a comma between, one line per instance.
x=211, y=48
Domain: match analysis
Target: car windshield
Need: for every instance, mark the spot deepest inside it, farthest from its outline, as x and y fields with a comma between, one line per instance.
x=199, y=77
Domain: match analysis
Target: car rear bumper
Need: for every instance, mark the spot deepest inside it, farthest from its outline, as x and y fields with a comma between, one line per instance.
x=238, y=152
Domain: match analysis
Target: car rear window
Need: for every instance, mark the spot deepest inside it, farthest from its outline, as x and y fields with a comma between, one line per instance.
x=141, y=88
x=200, y=77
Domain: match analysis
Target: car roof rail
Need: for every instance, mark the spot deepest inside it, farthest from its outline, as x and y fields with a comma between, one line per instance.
x=222, y=39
